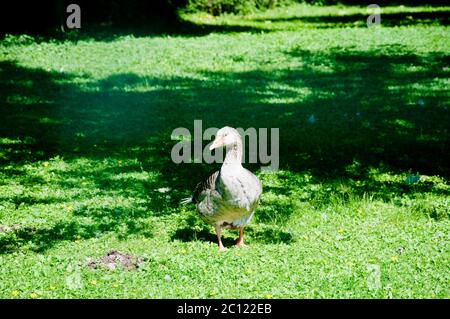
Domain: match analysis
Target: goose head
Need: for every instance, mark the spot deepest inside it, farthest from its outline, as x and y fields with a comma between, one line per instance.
x=226, y=137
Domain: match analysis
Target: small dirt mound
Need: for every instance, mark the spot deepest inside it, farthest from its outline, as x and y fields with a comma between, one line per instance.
x=115, y=259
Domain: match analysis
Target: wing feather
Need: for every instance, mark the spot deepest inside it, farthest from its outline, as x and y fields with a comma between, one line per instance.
x=206, y=186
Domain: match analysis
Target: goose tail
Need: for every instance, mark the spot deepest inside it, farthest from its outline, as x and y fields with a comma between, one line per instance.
x=186, y=200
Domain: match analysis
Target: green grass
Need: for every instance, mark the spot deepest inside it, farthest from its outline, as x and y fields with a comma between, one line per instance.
x=85, y=164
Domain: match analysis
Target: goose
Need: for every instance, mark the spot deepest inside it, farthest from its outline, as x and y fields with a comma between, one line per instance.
x=228, y=198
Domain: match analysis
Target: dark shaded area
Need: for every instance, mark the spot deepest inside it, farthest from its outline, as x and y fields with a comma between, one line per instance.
x=365, y=110
x=41, y=239
x=251, y=235
x=103, y=20
x=379, y=108
x=47, y=16
x=360, y=20
x=107, y=20
x=188, y=234
x=191, y=229
x=381, y=3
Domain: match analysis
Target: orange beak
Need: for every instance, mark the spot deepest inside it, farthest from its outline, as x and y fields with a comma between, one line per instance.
x=218, y=142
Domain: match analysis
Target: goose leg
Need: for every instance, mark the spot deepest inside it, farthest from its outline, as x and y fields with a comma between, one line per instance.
x=240, y=241
x=219, y=239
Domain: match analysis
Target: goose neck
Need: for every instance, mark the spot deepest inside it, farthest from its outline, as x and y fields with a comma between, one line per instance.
x=233, y=155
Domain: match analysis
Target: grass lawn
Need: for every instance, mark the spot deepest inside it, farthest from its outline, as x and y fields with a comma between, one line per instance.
x=359, y=208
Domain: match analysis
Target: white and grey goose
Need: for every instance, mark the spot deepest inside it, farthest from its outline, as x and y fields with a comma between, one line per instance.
x=228, y=197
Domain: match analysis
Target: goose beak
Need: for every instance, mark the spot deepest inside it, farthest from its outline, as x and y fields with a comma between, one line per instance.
x=218, y=142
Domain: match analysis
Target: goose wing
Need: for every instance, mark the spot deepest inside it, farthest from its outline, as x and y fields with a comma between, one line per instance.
x=206, y=187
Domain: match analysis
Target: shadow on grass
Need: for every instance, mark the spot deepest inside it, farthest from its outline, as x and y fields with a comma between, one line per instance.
x=360, y=19
x=177, y=26
x=41, y=239
x=189, y=234
x=266, y=236
x=383, y=108
x=192, y=229
x=107, y=32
